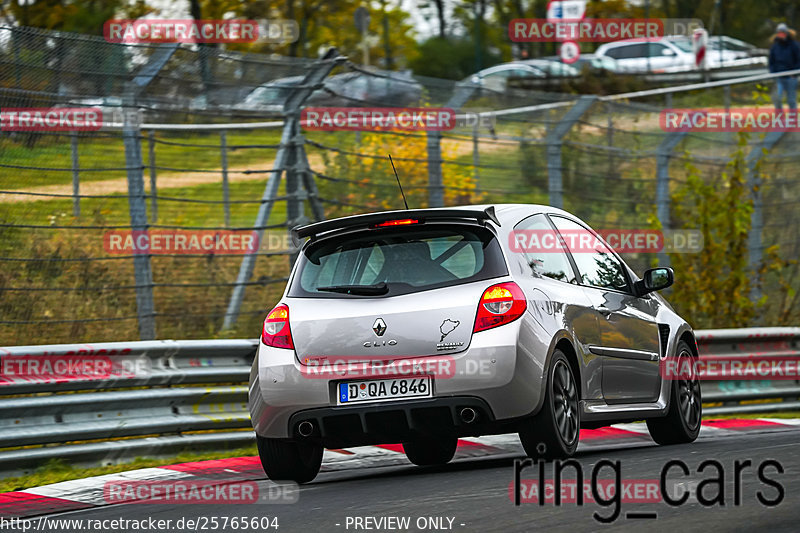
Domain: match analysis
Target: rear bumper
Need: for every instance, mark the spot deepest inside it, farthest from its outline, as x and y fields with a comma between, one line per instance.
x=353, y=425
x=498, y=378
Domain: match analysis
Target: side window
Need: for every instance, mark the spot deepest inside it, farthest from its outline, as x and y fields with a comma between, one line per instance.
x=615, y=53
x=537, y=241
x=657, y=50
x=505, y=73
x=638, y=50
x=628, y=51
x=597, y=265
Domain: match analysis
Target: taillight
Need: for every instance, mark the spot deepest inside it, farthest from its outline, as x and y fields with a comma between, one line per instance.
x=276, y=330
x=500, y=304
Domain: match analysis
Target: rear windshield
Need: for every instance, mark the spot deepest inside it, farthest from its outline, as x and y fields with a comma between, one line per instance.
x=407, y=260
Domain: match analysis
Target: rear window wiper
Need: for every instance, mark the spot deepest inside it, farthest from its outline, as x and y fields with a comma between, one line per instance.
x=361, y=290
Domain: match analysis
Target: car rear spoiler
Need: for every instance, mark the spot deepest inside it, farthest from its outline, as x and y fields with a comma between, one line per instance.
x=312, y=230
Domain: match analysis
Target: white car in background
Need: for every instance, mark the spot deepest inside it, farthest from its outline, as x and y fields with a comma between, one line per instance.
x=670, y=54
x=554, y=67
x=637, y=55
x=496, y=78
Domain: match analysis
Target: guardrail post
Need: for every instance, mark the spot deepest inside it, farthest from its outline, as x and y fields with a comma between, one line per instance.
x=76, y=179
x=151, y=158
x=291, y=110
x=435, y=180
x=226, y=198
x=143, y=274
x=755, y=248
x=554, y=141
x=663, y=199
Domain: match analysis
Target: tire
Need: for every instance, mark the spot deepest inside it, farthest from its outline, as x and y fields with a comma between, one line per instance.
x=553, y=433
x=287, y=460
x=430, y=451
x=682, y=423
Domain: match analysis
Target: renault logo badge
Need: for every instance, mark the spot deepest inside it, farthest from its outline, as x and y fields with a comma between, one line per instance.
x=379, y=327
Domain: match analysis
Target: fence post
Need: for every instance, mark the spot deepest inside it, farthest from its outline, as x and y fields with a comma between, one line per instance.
x=226, y=197
x=291, y=111
x=554, y=141
x=755, y=248
x=131, y=136
x=143, y=274
x=76, y=179
x=435, y=181
x=310, y=185
x=151, y=152
x=476, y=156
x=663, y=199
x=295, y=191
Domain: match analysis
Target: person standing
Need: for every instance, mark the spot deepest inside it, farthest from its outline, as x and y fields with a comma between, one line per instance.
x=784, y=54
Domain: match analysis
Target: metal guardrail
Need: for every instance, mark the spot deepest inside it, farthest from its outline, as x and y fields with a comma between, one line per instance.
x=194, y=396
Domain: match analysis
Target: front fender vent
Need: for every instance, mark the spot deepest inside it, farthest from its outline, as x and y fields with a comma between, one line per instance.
x=663, y=336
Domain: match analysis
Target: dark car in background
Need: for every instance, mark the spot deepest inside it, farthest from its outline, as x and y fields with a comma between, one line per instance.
x=357, y=88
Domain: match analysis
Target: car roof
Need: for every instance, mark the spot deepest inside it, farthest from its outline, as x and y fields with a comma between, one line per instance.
x=513, y=64
x=635, y=41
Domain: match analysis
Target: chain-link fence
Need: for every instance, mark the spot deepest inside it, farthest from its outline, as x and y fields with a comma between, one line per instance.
x=216, y=147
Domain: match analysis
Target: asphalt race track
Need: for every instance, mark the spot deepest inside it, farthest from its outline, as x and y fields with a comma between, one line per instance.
x=474, y=493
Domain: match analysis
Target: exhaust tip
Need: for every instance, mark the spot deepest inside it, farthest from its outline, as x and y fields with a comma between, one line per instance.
x=468, y=415
x=305, y=428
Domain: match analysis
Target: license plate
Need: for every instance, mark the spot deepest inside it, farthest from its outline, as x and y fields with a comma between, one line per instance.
x=378, y=390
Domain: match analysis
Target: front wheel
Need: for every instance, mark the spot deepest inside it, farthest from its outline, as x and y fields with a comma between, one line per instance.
x=430, y=451
x=682, y=423
x=554, y=431
x=287, y=460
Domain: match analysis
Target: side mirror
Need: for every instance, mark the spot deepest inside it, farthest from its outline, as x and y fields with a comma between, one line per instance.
x=655, y=279
x=667, y=52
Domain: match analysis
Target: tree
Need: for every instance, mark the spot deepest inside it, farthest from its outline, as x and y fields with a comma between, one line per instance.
x=716, y=282
x=79, y=16
x=452, y=58
x=330, y=23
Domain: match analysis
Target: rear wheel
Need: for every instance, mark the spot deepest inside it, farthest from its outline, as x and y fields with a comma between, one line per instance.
x=287, y=460
x=554, y=431
x=682, y=423
x=429, y=451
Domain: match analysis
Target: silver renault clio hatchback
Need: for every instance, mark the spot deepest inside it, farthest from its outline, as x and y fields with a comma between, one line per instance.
x=426, y=325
